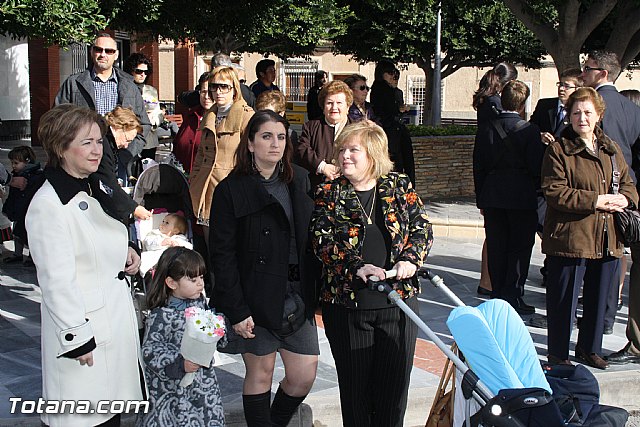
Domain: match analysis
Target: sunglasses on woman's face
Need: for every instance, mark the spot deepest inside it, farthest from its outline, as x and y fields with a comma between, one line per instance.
x=139, y=71
x=219, y=87
x=98, y=50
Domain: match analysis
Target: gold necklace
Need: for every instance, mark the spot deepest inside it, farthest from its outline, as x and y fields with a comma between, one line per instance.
x=373, y=203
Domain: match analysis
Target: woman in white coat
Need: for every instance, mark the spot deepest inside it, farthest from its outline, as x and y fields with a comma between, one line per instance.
x=90, y=345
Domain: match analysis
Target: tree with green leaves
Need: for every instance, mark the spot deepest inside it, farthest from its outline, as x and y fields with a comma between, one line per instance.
x=475, y=33
x=57, y=21
x=281, y=27
x=568, y=27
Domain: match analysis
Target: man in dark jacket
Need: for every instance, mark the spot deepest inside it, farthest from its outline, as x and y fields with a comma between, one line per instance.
x=550, y=114
x=507, y=157
x=621, y=123
x=102, y=87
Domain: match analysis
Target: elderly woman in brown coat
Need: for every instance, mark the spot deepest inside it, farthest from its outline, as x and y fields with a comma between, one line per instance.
x=580, y=238
x=315, y=147
x=222, y=127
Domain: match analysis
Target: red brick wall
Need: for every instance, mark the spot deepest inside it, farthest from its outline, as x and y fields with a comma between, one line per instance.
x=44, y=81
x=151, y=50
x=183, y=60
x=444, y=166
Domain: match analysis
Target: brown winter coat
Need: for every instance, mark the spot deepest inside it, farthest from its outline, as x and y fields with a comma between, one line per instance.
x=572, y=179
x=216, y=154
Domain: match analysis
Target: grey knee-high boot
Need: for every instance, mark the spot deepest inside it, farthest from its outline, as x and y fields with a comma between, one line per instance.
x=283, y=408
x=256, y=409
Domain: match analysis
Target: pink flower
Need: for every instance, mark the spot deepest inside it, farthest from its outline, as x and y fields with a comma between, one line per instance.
x=189, y=312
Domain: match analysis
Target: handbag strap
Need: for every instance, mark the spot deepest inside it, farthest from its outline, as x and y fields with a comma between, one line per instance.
x=615, y=179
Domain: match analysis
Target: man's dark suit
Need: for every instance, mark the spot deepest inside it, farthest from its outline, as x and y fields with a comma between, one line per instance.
x=546, y=116
x=621, y=123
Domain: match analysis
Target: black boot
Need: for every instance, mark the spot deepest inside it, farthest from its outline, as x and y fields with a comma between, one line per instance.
x=283, y=408
x=256, y=409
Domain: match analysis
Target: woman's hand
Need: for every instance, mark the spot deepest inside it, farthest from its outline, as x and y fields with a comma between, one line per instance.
x=331, y=171
x=405, y=269
x=189, y=366
x=370, y=270
x=133, y=262
x=245, y=328
x=86, y=359
x=547, y=138
x=612, y=202
x=141, y=213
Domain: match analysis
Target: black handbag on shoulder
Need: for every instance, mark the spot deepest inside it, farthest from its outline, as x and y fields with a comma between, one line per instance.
x=627, y=221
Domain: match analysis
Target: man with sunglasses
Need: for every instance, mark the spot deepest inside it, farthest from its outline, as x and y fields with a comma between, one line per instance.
x=621, y=123
x=102, y=87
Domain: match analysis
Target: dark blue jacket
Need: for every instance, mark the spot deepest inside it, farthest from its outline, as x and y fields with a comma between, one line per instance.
x=507, y=177
x=621, y=123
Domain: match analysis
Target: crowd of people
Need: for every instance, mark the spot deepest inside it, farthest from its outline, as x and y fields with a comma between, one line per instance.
x=293, y=225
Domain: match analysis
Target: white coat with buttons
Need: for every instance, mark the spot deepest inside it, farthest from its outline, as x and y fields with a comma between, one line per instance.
x=78, y=251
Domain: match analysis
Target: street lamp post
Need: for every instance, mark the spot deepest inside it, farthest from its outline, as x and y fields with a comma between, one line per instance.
x=436, y=106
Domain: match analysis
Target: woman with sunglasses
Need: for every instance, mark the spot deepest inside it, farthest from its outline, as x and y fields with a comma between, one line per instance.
x=360, y=109
x=388, y=110
x=222, y=128
x=139, y=66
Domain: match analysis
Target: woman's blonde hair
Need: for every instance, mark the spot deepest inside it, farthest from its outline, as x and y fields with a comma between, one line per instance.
x=123, y=118
x=373, y=139
x=227, y=73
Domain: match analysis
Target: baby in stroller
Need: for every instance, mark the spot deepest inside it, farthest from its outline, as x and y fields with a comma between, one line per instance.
x=171, y=232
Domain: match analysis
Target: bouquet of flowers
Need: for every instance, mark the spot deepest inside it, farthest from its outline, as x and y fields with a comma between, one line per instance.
x=203, y=330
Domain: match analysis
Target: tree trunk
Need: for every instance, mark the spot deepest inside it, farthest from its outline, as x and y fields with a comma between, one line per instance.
x=428, y=92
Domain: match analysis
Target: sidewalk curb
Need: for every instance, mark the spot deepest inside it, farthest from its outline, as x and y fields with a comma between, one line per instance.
x=459, y=228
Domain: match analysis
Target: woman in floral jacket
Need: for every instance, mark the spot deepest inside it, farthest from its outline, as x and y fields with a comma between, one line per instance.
x=365, y=222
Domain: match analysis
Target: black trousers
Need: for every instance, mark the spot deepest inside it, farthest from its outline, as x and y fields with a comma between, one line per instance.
x=564, y=278
x=510, y=235
x=373, y=351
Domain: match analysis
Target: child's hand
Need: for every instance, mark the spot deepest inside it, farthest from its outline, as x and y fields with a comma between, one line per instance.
x=189, y=366
x=18, y=182
x=168, y=242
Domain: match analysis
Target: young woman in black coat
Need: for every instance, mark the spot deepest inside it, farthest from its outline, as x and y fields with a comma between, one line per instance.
x=263, y=266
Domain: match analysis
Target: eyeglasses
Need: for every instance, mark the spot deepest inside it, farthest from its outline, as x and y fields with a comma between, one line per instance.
x=205, y=92
x=362, y=87
x=98, y=50
x=586, y=69
x=139, y=71
x=219, y=87
x=565, y=85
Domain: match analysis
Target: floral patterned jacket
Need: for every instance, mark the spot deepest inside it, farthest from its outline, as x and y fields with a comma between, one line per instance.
x=338, y=228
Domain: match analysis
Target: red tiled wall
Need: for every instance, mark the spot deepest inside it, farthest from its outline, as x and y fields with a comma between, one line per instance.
x=44, y=81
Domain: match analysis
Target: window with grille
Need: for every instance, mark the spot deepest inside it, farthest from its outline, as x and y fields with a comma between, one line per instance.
x=416, y=92
x=298, y=78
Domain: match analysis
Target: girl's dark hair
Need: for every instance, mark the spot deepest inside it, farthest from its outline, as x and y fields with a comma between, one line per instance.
x=175, y=262
x=135, y=59
x=22, y=153
x=244, y=163
x=493, y=81
x=382, y=67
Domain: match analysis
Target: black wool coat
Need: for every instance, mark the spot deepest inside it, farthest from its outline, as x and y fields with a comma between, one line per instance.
x=250, y=238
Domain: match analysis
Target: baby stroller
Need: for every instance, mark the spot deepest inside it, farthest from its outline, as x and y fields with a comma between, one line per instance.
x=161, y=188
x=502, y=374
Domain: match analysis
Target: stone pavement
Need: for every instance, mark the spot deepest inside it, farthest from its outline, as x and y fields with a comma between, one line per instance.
x=455, y=257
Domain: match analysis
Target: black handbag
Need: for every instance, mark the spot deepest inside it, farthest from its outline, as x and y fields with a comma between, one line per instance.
x=627, y=221
x=293, y=313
